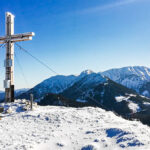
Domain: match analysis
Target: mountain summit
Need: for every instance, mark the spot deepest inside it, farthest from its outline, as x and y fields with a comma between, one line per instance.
x=95, y=89
x=86, y=72
x=136, y=78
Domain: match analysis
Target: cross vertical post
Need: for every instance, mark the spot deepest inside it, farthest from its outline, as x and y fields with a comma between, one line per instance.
x=9, y=41
x=9, y=62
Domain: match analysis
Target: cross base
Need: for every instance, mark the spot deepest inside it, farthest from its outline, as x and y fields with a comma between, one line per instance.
x=9, y=94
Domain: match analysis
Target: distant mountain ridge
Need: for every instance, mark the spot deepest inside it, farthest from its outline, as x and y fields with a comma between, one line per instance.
x=136, y=78
x=97, y=89
x=17, y=93
x=55, y=84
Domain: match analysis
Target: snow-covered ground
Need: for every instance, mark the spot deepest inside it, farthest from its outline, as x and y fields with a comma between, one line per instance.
x=61, y=128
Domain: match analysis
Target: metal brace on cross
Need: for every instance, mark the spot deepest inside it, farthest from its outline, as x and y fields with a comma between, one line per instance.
x=10, y=39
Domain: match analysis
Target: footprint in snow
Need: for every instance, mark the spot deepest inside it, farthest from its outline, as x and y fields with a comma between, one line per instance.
x=123, y=136
x=88, y=147
x=59, y=144
x=89, y=132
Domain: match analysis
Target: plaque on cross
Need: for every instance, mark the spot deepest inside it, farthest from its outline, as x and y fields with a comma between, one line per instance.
x=9, y=40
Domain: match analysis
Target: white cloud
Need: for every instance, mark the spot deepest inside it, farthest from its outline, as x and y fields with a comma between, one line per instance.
x=108, y=6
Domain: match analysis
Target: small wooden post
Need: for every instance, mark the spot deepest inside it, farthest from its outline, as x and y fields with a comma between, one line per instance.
x=31, y=100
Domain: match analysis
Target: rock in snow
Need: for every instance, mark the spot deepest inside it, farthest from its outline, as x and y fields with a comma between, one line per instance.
x=62, y=128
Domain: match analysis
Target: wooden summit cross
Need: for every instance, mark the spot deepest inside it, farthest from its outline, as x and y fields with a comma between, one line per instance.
x=10, y=39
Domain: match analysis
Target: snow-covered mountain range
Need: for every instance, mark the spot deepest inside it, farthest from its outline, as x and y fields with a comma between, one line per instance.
x=119, y=95
x=93, y=89
x=86, y=89
x=55, y=84
x=136, y=78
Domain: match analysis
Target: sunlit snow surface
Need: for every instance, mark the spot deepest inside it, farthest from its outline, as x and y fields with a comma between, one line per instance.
x=131, y=77
x=61, y=128
x=132, y=106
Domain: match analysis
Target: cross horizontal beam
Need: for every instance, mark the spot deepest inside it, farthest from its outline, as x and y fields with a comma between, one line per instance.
x=17, y=37
x=16, y=40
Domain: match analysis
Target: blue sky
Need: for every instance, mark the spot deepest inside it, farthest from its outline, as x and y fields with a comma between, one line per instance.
x=75, y=35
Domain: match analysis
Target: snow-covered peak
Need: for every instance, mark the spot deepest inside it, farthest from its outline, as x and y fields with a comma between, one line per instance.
x=86, y=72
x=140, y=71
x=55, y=84
x=95, y=78
x=21, y=90
x=83, y=74
x=131, y=77
x=59, y=79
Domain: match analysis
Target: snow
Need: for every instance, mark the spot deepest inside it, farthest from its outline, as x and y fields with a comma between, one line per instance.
x=83, y=74
x=131, y=77
x=121, y=98
x=132, y=106
x=146, y=103
x=21, y=90
x=86, y=72
x=55, y=84
x=81, y=100
x=132, y=95
x=59, y=83
x=93, y=78
x=126, y=98
x=61, y=128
